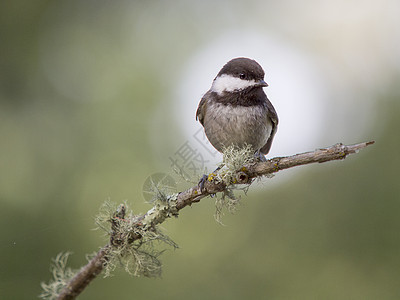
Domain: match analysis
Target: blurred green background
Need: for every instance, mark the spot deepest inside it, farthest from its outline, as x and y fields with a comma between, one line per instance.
x=80, y=82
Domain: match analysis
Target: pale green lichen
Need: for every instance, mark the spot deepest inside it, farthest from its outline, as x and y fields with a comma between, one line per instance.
x=134, y=239
x=61, y=276
x=139, y=258
x=235, y=160
x=229, y=201
x=164, y=207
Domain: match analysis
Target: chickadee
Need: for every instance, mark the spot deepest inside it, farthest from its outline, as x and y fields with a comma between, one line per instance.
x=236, y=111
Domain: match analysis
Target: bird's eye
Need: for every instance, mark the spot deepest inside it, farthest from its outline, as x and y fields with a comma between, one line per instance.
x=242, y=76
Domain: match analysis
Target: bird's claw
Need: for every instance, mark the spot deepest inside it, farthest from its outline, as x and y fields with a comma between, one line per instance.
x=260, y=156
x=202, y=182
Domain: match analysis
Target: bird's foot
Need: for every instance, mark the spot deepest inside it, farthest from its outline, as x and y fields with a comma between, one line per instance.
x=202, y=182
x=208, y=177
x=260, y=156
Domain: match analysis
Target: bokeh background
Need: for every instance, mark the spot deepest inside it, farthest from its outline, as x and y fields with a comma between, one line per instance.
x=95, y=96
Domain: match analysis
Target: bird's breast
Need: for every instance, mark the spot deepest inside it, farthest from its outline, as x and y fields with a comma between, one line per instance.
x=227, y=124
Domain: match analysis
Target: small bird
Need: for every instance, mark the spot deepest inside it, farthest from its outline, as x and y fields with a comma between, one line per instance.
x=236, y=111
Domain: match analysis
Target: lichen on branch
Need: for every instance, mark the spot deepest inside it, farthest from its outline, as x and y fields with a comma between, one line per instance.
x=133, y=238
x=61, y=276
x=134, y=243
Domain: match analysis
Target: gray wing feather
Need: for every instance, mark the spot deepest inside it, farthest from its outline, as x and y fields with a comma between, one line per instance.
x=201, y=109
x=274, y=118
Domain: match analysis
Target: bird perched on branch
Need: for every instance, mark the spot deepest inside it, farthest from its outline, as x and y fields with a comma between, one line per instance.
x=236, y=111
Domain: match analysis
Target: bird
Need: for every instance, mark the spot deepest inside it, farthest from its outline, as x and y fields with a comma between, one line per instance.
x=235, y=111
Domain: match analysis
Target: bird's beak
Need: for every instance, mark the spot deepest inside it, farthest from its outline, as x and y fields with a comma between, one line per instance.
x=262, y=83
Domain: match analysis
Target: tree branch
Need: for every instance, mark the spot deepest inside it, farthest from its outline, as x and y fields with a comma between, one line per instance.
x=89, y=272
x=243, y=176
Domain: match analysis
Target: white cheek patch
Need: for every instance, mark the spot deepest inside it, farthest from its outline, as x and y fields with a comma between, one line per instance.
x=228, y=83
